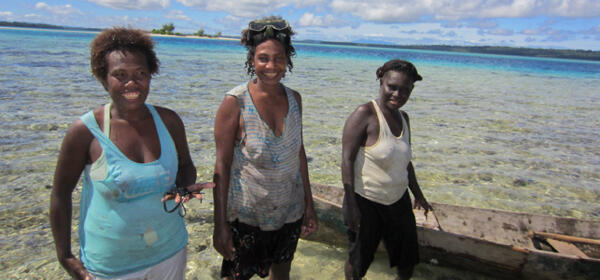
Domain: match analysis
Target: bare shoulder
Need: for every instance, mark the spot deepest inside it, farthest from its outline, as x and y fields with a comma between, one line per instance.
x=78, y=128
x=405, y=116
x=168, y=116
x=229, y=105
x=99, y=116
x=78, y=136
x=228, y=119
x=228, y=116
x=297, y=96
x=364, y=111
x=166, y=111
x=360, y=118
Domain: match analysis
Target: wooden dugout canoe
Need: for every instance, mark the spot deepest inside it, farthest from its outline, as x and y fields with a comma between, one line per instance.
x=501, y=244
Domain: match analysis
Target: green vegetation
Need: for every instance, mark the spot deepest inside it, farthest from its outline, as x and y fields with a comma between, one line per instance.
x=167, y=29
x=200, y=33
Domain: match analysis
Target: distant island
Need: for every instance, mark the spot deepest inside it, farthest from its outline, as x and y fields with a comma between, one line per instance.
x=44, y=26
x=520, y=51
x=501, y=50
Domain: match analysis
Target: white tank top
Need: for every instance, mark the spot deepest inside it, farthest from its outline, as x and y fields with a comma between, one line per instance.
x=380, y=171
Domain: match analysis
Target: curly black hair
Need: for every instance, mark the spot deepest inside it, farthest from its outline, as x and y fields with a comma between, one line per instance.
x=251, y=39
x=401, y=66
x=121, y=39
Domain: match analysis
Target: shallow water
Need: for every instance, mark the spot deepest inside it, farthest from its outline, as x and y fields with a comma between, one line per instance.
x=488, y=131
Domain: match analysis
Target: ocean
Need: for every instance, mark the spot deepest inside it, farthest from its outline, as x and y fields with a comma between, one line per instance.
x=494, y=131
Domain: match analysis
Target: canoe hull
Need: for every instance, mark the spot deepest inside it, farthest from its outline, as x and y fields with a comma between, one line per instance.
x=488, y=241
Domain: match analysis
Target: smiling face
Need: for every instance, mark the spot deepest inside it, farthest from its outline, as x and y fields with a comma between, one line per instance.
x=270, y=62
x=394, y=90
x=128, y=79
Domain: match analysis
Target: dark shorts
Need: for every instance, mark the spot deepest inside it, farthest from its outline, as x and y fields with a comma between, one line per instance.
x=256, y=250
x=395, y=224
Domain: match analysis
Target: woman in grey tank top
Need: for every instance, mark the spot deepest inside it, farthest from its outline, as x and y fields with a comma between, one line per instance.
x=263, y=201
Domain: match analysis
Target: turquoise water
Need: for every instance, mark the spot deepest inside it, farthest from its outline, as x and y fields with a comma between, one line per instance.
x=504, y=132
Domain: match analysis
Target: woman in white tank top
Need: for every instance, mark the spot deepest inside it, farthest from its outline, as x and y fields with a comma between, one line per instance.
x=376, y=173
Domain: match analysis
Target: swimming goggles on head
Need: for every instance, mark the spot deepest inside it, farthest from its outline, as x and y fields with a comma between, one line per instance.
x=260, y=25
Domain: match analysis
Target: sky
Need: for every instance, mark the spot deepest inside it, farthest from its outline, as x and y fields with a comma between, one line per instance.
x=562, y=24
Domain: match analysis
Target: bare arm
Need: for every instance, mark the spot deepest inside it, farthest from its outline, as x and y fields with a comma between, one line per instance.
x=71, y=162
x=310, y=223
x=225, y=131
x=354, y=136
x=186, y=171
x=413, y=184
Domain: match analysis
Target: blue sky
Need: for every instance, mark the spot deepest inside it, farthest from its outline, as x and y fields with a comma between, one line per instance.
x=573, y=24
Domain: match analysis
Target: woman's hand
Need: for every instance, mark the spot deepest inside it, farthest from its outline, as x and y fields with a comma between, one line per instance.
x=194, y=189
x=353, y=219
x=75, y=268
x=222, y=241
x=421, y=203
x=309, y=223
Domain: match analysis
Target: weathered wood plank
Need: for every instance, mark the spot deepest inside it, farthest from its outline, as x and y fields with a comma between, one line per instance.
x=567, y=238
x=566, y=248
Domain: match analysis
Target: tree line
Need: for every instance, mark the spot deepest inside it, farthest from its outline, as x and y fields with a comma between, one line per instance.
x=167, y=29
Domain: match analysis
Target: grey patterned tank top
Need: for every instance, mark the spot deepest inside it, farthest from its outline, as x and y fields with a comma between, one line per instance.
x=265, y=187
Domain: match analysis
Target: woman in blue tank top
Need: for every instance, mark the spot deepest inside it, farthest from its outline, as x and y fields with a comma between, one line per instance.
x=130, y=154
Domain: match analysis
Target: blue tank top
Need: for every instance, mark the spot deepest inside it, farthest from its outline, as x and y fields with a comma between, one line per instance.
x=122, y=225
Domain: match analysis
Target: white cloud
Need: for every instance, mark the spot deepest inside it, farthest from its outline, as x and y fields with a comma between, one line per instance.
x=311, y=20
x=146, y=23
x=6, y=14
x=453, y=10
x=58, y=10
x=177, y=14
x=41, y=5
x=310, y=3
x=383, y=10
x=133, y=4
x=575, y=8
x=465, y=9
x=375, y=35
x=240, y=8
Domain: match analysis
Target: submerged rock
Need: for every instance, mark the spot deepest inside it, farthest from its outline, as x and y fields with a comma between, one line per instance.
x=522, y=182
